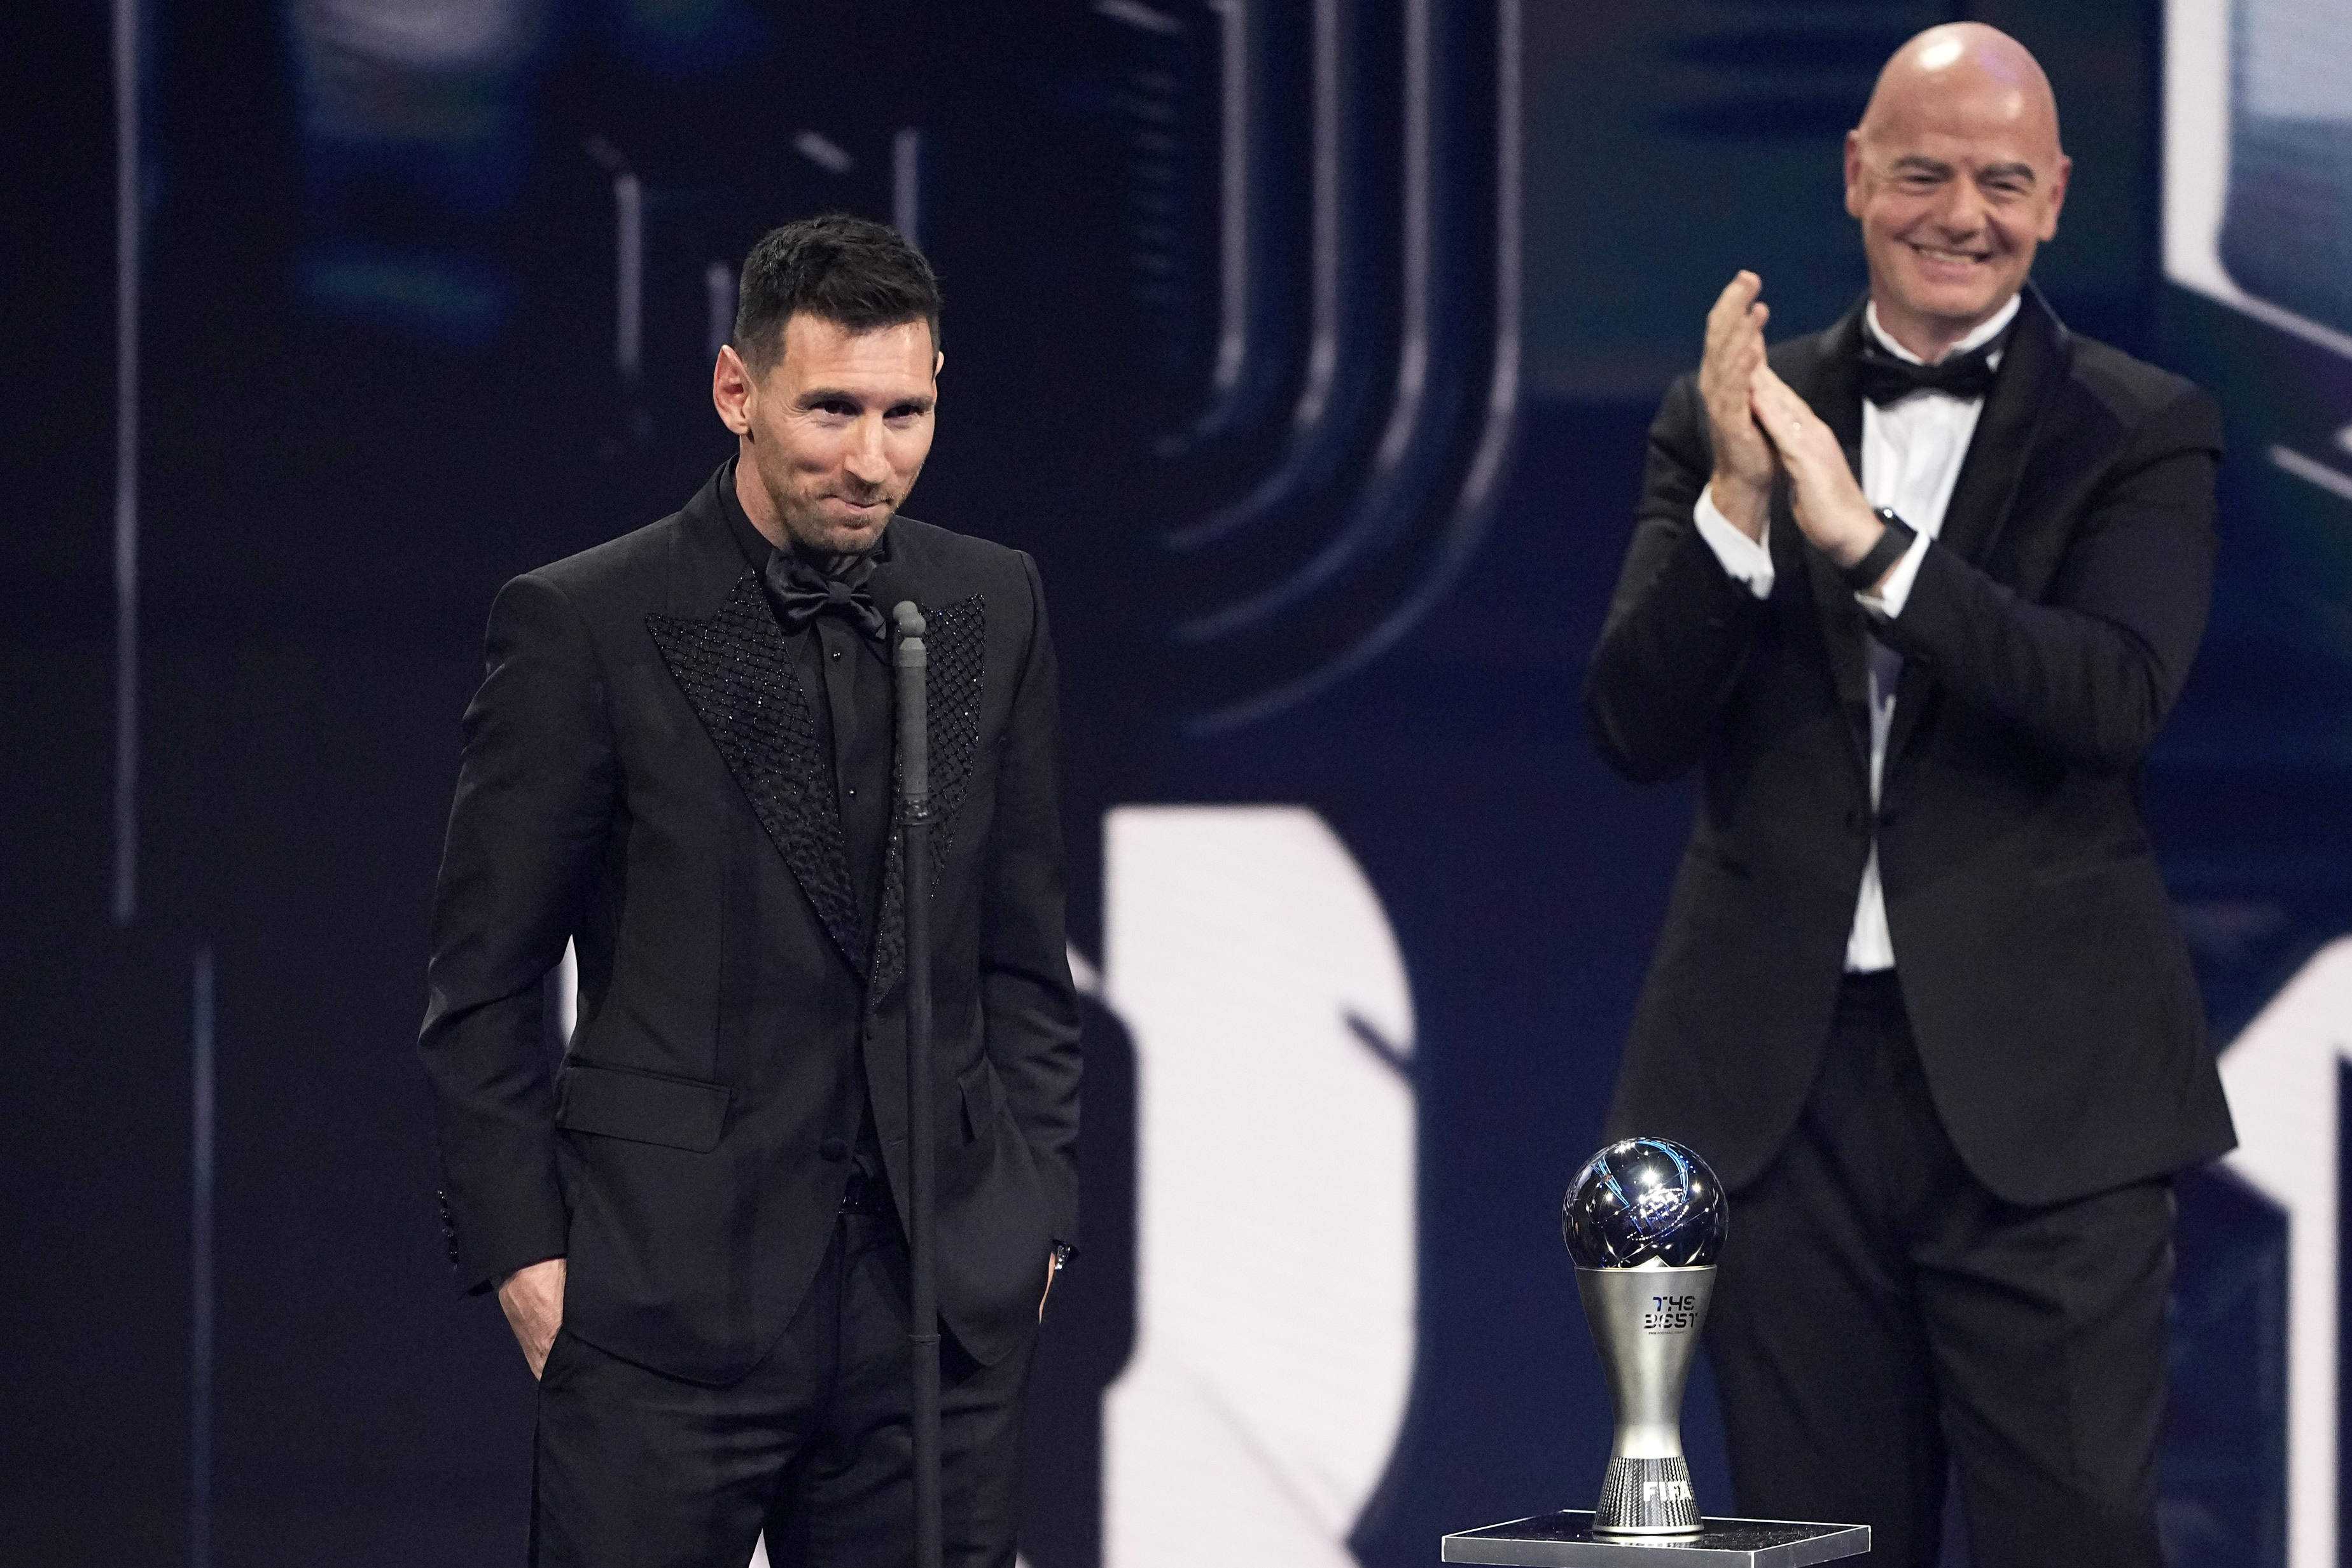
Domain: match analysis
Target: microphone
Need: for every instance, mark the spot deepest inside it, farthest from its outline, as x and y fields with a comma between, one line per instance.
x=911, y=662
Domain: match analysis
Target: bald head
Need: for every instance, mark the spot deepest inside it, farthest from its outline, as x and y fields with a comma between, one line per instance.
x=1957, y=176
x=1964, y=65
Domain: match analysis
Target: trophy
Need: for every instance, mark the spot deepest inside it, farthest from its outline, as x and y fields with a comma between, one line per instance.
x=1643, y=1222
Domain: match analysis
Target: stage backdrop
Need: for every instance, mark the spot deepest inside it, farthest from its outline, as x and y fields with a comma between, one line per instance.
x=1309, y=347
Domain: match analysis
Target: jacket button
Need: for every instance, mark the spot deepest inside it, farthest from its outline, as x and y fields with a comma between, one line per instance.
x=834, y=1149
x=1887, y=819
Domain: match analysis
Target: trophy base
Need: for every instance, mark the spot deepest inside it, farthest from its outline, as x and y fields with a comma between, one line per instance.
x=1647, y=1496
x=1569, y=1541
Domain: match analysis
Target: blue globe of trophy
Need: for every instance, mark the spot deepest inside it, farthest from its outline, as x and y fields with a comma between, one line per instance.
x=1644, y=1220
x=1642, y=1201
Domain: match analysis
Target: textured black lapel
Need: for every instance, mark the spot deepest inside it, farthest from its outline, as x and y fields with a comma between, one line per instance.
x=1833, y=390
x=2033, y=367
x=955, y=641
x=736, y=670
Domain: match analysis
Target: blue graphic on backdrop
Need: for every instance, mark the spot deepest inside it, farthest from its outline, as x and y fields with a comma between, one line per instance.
x=2287, y=236
x=419, y=138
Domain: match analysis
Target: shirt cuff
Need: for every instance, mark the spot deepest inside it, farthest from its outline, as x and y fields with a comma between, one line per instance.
x=1744, y=559
x=1895, y=589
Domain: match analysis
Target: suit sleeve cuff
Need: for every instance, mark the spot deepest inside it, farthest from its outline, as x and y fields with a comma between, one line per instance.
x=1895, y=592
x=1745, y=560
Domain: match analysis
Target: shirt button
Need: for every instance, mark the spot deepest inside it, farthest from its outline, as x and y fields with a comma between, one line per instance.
x=834, y=1149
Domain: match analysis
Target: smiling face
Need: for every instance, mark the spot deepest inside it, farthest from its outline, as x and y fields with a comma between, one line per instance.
x=1955, y=176
x=832, y=435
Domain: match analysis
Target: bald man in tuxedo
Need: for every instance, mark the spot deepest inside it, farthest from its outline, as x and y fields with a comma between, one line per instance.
x=1913, y=595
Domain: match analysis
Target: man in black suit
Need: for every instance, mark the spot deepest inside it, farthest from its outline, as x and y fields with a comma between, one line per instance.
x=1913, y=595
x=680, y=759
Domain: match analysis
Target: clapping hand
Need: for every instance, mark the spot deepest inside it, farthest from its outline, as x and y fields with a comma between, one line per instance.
x=1823, y=494
x=1741, y=484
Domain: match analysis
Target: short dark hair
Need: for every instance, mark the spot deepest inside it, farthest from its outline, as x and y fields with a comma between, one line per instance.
x=846, y=269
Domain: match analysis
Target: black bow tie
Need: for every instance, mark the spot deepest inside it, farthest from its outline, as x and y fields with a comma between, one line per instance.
x=1886, y=378
x=799, y=593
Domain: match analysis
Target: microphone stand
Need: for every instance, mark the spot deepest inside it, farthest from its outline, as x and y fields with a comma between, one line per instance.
x=911, y=662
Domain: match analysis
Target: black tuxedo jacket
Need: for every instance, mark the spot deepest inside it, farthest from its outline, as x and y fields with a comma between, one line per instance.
x=2044, y=640
x=641, y=774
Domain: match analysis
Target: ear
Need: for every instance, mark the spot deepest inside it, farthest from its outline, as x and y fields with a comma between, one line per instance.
x=1853, y=172
x=2057, y=197
x=733, y=391
x=939, y=363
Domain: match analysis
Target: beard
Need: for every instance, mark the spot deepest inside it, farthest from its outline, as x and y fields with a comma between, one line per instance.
x=818, y=532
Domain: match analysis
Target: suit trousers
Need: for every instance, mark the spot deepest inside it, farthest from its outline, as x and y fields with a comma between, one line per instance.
x=814, y=1446
x=1880, y=1320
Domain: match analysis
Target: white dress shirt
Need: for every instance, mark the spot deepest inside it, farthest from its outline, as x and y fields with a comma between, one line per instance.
x=1911, y=455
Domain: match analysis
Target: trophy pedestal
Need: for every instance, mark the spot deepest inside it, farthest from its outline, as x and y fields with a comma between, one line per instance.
x=1566, y=1541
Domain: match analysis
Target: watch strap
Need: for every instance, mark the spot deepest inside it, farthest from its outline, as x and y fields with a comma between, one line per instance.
x=1864, y=574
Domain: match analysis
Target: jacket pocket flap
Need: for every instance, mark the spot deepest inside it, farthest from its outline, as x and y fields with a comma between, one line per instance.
x=643, y=1107
x=983, y=1095
x=2110, y=858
